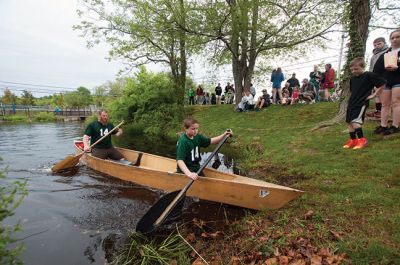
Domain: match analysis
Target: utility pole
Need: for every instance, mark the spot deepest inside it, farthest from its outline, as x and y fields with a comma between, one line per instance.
x=340, y=59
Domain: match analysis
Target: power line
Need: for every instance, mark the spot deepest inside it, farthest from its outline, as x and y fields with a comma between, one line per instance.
x=29, y=90
x=8, y=82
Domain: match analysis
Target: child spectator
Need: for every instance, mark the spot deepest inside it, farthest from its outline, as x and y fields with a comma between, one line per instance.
x=285, y=100
x=206, y=99
x=295, y=95
x=213, y=99
x=361, y=85
x=380, y=47
x=223, y=99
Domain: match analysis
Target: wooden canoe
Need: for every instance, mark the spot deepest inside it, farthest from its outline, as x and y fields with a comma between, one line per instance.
x=159, y=173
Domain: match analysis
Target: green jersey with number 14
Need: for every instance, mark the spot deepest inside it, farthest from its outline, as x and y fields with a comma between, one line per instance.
x=96, y=130
x=188, y=150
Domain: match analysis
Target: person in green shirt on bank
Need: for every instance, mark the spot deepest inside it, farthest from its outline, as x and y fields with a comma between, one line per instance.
x=187, y=148
x=190, y=94
x=97, y=129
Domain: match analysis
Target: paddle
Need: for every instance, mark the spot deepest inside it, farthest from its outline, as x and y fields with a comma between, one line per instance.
x=171, y=204
x=72, y=160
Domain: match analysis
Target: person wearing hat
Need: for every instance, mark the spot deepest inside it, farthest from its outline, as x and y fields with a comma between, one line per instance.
x=263, y=101
x=293, y=82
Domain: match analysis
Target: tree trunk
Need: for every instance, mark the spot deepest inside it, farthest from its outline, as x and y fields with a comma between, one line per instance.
x=182, y=57
x=359, y=15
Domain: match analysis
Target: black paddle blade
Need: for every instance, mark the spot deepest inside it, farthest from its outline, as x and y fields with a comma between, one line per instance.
x=147, y=225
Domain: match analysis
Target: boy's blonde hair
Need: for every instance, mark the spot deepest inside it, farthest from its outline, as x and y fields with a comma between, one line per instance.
x=189, y=121
x=359, y=61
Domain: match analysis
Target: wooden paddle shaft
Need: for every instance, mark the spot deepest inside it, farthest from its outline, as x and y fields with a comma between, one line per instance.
x=183, y=191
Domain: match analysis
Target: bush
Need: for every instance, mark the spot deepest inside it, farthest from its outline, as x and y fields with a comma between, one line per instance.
x=43, y=116
x=149, y=101
x=11, y=196
x=15, y=118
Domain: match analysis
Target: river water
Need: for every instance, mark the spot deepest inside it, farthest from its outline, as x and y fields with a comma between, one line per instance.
x=80, y=217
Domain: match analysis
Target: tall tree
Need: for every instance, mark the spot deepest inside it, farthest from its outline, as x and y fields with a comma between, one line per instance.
x=140, y=32
x=79, y=98
x=9, y=97
x=27, y=98
x=243, y=30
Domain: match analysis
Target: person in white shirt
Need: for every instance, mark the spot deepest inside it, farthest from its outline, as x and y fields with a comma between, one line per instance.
x=247, y=102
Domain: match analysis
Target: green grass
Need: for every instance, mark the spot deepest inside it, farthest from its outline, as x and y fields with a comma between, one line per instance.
x=36, y=117
x=353, y=192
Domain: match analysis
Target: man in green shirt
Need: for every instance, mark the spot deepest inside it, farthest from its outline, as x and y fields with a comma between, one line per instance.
x=97, y=129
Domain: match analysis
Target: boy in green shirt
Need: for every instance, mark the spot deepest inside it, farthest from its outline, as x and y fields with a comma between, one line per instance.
x=187, y=149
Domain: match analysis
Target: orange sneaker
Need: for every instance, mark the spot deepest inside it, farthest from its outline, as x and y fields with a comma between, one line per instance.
x=361, y=143
x=350, y=143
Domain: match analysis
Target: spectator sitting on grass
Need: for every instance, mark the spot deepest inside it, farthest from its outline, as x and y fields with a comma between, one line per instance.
x=307, y=91
x=247, y=102
x=285, y=98
x=295, y=95
x=214, y=99
x=263, y=101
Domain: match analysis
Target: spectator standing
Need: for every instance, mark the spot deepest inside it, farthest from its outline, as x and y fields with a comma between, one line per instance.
x=293, y=82
x=315, y=79
x=218, y=93
x=328, y=85
x=230, y=95
x=388, y=67
x=191, y=94
x=277, y=78
x=199, y=95
x=227, y=87
x=380, y=47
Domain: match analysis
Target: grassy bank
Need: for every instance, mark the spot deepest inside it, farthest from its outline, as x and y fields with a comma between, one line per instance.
x=36, y=117
x=350, y=211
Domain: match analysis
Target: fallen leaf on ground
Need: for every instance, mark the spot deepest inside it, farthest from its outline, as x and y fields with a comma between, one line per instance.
x=308, y=214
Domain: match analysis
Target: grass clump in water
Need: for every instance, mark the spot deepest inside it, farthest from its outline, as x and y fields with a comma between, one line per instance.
x=153, y=251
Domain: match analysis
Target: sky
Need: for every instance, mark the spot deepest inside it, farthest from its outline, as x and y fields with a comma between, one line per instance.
x=39, y=47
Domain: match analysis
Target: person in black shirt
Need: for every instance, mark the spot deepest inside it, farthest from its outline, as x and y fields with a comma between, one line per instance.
x=218, y=92
x=361, y=85
x=293, y=82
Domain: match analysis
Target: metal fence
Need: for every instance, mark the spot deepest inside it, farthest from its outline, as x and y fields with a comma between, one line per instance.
x=9, y=109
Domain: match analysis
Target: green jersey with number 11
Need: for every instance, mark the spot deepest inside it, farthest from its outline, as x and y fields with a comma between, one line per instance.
x=188, y=150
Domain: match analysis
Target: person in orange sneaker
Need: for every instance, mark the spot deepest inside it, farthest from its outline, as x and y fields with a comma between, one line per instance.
x=361, y=85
